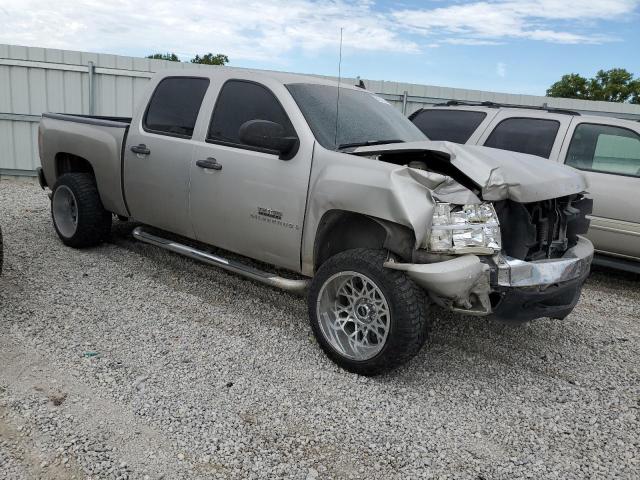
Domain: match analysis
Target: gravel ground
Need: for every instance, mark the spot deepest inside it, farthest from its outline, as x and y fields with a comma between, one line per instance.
x=124, y=361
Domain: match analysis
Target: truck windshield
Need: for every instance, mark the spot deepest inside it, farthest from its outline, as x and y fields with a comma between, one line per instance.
x=364, y=118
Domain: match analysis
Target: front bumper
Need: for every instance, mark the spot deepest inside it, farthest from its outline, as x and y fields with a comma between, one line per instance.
x=506, y=288
x=573, y=264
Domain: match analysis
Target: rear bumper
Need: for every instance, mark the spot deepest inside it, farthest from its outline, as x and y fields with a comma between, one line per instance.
x=506, y=288
x=41, y=179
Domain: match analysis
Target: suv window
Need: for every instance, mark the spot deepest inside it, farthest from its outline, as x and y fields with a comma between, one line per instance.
x=450, y=125
x=605, y=148
x=534, y=136
x=174, y=106
x=240, y=101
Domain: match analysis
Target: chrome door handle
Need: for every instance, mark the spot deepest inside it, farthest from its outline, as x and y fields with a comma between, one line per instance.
x=141, y=149
x=210, y=164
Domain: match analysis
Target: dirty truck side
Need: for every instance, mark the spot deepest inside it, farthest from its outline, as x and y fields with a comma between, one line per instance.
x=376, y=224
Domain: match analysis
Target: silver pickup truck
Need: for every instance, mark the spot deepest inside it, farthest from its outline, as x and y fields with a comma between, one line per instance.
x=376, y=223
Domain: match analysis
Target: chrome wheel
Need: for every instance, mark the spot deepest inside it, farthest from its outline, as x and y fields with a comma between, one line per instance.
x=353, y=314
x=65, y=211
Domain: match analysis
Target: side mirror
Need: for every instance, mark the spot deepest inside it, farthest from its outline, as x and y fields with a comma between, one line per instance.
x=270, y=136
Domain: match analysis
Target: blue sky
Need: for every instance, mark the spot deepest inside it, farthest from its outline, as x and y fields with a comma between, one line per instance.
x=518, y=46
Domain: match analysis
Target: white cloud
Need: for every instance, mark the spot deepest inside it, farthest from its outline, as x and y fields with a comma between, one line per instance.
x=501, y=69
x=272, y=29
x=254, y=30
x=543, y=20
x=469, y=41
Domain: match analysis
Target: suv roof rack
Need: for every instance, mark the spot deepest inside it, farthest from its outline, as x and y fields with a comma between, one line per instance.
x=457, y=103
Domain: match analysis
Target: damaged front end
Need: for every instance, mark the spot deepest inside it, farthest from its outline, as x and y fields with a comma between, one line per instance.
x=504, y=236
x=534, y=267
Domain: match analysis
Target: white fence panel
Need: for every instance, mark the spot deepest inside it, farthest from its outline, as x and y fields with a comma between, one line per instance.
x=36, y=80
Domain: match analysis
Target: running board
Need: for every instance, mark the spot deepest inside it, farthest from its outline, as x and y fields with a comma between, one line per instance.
x=293, y=286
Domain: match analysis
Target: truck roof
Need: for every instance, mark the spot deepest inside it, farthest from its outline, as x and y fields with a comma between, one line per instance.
x=280, y=77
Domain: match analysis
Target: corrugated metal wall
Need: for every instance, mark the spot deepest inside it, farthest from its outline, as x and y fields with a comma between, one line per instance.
x=36, y=80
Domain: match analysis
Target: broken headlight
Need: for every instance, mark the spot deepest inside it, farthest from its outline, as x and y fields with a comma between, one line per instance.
x=465, y=229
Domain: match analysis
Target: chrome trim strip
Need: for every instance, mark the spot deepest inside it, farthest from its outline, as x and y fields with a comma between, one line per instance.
x=290, y=285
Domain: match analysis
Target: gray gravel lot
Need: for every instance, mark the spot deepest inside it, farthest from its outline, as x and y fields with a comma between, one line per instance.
x=127, y=362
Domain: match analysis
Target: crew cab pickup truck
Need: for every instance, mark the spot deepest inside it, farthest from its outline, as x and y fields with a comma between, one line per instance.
x=606, y=149
x=333, y=184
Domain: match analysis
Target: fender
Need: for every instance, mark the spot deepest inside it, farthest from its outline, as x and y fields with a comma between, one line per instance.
x=395, y=197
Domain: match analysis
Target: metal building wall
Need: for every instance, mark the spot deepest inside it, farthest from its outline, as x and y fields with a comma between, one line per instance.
x=36, y=80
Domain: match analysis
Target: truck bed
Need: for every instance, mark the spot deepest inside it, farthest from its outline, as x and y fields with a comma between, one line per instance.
x=96, y=141
x=91, y=119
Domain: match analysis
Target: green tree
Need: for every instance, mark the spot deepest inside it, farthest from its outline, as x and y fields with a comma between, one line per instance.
x=612, y=86
x=172, y=57
x=635, y=96
x=615, y=85
x=570, y=86
x=211, y=59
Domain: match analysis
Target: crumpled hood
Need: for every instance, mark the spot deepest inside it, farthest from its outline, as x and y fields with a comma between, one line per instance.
x=499, y=174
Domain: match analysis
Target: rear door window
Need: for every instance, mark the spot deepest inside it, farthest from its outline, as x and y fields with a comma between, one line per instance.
x=449, y=125
x=174, y=106
x=605, y=148
x=534, y=136
x=240, y=101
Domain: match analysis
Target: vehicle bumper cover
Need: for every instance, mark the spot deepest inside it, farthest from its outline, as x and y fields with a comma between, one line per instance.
x=545, y=288
x=517, y=273
x=525, y=290
x=41, y=180
x=522, y=304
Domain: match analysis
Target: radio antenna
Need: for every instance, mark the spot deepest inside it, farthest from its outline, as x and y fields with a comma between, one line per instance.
x=335, y=141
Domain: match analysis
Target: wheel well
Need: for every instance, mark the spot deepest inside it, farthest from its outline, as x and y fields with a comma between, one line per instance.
x=340, y=230
x=70, y=163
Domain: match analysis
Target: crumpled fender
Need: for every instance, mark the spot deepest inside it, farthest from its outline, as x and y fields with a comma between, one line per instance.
x=375, y=190
x=401, y=195
x=360, y=185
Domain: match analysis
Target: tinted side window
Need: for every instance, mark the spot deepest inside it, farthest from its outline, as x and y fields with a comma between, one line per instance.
x=450, y=125
x=534, y=136
x=174, y=106
x=239, y=102
x=604, y=148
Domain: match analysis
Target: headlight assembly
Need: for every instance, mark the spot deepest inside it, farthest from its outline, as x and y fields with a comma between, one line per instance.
x=461, y=229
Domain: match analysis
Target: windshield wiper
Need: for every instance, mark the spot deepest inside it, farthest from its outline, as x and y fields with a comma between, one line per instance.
x=368, y=143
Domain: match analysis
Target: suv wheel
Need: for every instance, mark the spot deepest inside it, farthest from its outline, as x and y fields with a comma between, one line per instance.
x=78, y=215
x=367, y=318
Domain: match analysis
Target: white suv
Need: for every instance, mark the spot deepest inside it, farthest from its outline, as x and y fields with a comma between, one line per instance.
x=606, y=149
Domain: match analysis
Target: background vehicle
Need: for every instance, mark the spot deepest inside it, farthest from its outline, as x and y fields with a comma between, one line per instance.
x=606, y=149
x=373, y=216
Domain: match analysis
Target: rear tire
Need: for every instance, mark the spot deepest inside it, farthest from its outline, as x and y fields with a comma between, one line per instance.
x=79, y=217
x=367, y=318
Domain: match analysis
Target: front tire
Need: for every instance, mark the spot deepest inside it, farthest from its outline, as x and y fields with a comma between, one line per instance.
x=78, y=216
x=368, y=319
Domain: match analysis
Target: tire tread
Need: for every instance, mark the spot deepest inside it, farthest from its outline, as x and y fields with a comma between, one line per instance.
x=94, y=222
